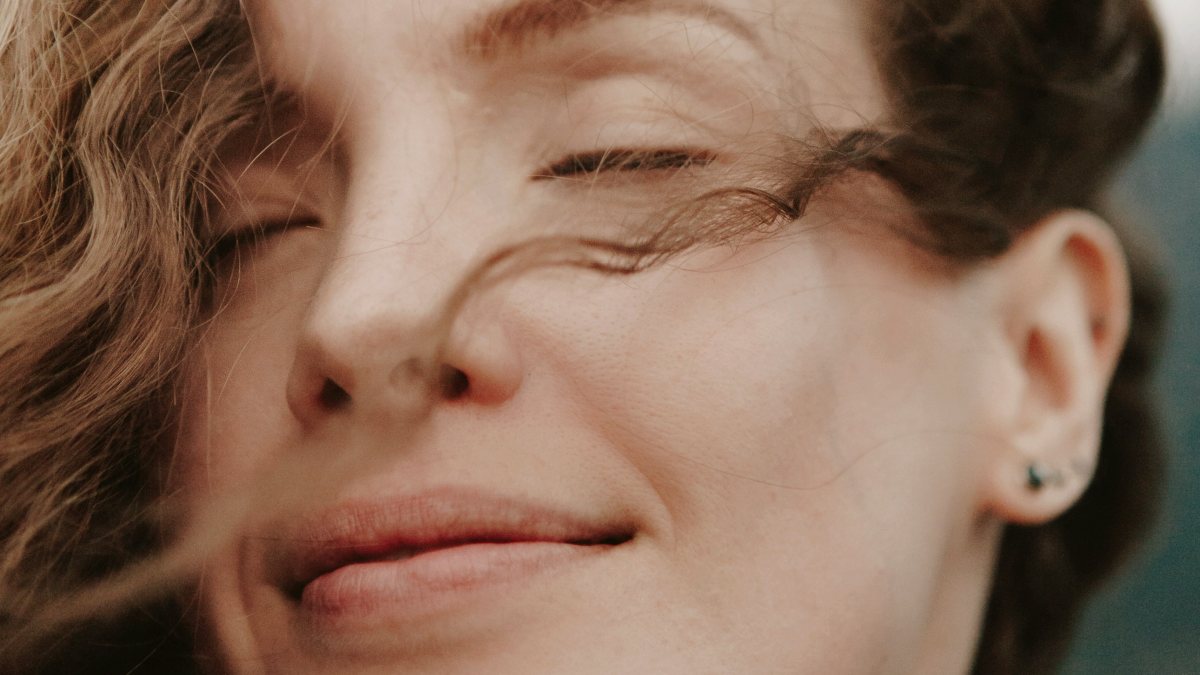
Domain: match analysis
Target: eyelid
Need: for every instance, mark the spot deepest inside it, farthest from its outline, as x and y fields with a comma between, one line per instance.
x=617, y=160
x=254, y=234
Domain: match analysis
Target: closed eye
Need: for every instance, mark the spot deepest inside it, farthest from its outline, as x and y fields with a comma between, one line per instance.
x=624, y=160
x=250, y=237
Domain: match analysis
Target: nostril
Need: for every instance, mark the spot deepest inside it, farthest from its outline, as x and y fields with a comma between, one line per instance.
x=453, y=383
x=332, y=396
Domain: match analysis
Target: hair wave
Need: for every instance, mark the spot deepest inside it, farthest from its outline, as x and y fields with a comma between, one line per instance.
x=110, y=115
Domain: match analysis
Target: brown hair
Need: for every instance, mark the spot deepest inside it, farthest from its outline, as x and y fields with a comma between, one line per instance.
x=110, y=112
x=107, y=111
x=1012, y=110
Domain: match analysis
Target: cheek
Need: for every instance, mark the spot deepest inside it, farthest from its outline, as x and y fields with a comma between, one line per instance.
x=808, y=420
x=235, y=418
x=784, y=365
x=232, y=416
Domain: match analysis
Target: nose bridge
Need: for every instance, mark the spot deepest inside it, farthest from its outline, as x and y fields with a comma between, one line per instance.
x=394, y=262
x=407, y=230
x=410, y=230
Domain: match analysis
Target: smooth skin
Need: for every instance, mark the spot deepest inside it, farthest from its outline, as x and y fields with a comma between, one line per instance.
x=816, y=438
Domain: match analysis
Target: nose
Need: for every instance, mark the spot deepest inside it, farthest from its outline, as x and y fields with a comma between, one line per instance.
x=377, y=341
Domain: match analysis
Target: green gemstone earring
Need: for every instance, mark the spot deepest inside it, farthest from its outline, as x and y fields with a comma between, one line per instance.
x=1038, y=476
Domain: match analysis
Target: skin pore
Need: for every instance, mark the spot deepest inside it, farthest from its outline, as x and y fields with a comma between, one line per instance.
x=808, y=443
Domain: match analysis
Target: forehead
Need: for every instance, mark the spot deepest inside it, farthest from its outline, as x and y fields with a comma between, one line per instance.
x=816, y=48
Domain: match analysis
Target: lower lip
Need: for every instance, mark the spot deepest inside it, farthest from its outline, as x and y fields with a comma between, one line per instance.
x=433, y=580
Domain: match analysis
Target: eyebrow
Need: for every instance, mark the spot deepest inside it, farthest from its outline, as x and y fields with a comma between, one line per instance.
x=521, y=24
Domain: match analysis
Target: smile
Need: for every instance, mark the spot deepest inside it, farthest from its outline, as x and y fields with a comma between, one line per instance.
x=415, y=555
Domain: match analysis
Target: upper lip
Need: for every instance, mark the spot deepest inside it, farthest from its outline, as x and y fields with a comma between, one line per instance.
x=363, y=531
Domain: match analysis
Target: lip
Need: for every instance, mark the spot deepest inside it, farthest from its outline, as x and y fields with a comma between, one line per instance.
x=410, y=554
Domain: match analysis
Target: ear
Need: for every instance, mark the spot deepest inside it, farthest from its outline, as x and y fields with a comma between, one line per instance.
x=1064, y=305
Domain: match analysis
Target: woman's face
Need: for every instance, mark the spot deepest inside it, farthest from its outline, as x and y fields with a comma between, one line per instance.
x=754, y=458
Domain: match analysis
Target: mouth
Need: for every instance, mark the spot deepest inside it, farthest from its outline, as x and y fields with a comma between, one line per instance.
x=410, y=555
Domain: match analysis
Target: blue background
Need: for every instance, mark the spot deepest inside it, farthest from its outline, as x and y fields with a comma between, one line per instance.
x=1149, y=621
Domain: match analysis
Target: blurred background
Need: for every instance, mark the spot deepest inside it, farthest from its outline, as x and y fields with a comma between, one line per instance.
x=1149, y=622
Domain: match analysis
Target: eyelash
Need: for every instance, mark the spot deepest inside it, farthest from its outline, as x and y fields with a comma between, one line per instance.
x=624, y=160
x=576, y=165
x=226, y=245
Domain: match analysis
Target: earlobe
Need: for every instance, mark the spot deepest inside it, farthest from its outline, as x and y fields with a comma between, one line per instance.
x=1064, y=302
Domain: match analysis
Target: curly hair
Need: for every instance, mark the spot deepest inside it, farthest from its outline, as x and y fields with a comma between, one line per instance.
x=1000, y=112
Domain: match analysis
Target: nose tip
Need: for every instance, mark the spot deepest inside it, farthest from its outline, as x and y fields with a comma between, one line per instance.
x=362, y=367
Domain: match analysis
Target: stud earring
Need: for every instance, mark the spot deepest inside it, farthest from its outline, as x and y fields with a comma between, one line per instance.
x=1038, y=476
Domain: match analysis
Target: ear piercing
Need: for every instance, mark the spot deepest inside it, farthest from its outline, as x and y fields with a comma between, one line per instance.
x=1038, y=476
